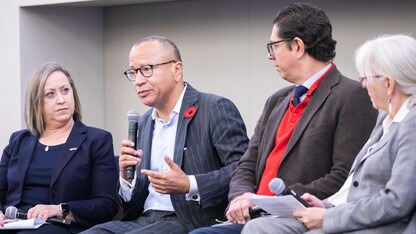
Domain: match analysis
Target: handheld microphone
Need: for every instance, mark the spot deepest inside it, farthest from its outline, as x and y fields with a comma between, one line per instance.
x=278, y=187
x=256, y=212
x=133, y=118
x=14, y=213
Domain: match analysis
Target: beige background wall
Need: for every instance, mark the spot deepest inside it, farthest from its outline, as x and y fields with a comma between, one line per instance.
x=222, y=44
x=10, y=95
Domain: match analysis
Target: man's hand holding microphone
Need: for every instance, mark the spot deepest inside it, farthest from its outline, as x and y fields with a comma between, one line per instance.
x=174, y=181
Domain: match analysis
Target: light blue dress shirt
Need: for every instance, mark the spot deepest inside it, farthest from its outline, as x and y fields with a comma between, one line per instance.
x=163, y=143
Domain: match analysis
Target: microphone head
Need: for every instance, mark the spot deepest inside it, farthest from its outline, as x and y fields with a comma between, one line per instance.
x=133, y=116
x=277, y=186
x=11, y=212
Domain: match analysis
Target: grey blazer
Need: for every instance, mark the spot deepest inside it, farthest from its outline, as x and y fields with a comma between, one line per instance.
x=333, y=128
x=383, y=193
x=208, y=146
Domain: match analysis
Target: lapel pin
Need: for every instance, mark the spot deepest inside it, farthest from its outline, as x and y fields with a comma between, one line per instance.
x=72, y=149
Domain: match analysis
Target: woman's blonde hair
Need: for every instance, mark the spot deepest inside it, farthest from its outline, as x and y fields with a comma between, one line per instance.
x=34, y=117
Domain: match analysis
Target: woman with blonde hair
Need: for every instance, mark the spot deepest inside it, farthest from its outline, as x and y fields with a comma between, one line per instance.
x=58, y=168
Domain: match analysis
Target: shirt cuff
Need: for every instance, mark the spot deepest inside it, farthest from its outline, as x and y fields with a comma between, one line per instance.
x=193, y=194
x=126, y=189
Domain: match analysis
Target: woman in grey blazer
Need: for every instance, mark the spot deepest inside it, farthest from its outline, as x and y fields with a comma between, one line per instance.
x=379, y=195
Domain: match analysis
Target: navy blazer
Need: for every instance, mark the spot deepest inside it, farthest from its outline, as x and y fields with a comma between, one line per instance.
x=208, y=145
x=85, y=176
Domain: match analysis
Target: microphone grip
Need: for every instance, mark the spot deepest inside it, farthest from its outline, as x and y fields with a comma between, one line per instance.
x=130, y=172
x=59, y=221
x=20, y=215
x=132, y=136
x=256, y=212
x=23, y=215
x=303, y=202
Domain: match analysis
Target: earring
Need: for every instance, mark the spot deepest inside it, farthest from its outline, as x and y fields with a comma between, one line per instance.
x=389, y=101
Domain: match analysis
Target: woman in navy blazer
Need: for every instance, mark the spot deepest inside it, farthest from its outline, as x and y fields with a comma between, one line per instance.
x=58, y=167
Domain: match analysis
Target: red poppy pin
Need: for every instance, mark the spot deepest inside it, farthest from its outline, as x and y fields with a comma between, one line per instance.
x=190, y=112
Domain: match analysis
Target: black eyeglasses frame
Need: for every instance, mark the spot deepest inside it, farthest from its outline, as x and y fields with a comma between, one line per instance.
x=132, y=77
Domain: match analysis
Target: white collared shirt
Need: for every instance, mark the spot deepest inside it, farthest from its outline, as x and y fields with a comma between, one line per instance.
x=311, y=80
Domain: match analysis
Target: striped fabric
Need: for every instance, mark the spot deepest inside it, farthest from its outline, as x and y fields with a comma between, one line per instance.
x=208, y=145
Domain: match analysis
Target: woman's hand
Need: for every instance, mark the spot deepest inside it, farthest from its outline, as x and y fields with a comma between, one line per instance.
x=312, y=200
x=44, y=212
x=312, y=217
x=2, y=218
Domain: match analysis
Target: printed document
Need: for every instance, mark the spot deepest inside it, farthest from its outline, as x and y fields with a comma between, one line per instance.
x=22, y=224
x=281, y=206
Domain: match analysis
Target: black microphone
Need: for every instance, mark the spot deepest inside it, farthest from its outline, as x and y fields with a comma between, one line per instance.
x=278, y=187
x=256, y=212
x=133, y=118
x=14, y=213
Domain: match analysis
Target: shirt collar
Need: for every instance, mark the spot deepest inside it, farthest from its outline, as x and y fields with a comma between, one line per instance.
x=177, y=107
x=404, y=109
x=309, y=82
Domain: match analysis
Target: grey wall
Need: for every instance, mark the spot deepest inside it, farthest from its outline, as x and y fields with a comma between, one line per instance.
x=73, y=37
x=10, y=95
x=222, y=44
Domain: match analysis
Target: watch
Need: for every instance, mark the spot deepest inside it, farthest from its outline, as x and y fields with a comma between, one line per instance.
x=64, y=209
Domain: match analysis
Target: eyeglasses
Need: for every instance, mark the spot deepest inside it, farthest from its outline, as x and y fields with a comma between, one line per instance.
x=146, y=70
x=361, y=79
x=269, y=46
x=364, y=78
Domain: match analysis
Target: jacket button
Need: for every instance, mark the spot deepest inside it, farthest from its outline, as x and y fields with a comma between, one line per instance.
x=54, y=192
x=355, y=183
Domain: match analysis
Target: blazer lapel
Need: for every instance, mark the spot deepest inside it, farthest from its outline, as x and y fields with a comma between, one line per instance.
x=28, y=147
x=376, y=147
x=145, y=142
x=273, y=124
x=75, y=139
x=190, y=99
x=374, y=137
x=317, y=100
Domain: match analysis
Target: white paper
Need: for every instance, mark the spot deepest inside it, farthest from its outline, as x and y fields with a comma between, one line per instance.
x=22, y=223
x=282, y=206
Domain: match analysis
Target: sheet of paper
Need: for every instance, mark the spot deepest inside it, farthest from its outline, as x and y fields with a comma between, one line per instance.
x=22, y=224
x=282, y=206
